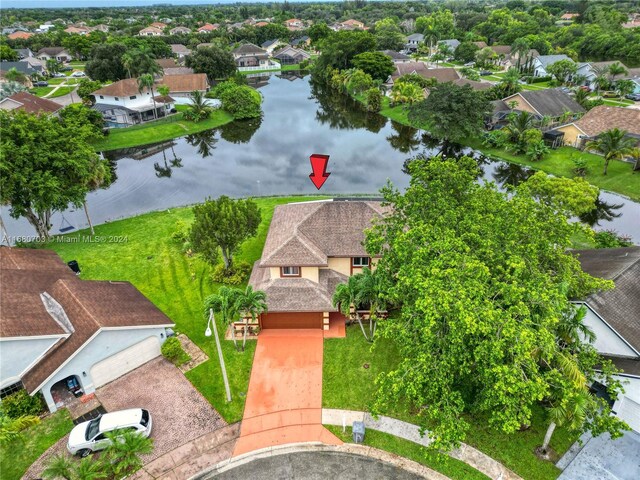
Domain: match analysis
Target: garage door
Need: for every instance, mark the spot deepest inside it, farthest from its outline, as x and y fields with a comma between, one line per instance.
x=124, y=361
x=629, y=411
x=292, y=320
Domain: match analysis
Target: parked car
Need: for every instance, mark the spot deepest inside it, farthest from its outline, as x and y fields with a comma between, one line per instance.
x=91, y=436
x=633, y=96
x=586, y=88
x=41, y=83
x=484, y=73
x=469, y=64
x=566, y=90
x=79, y=73
x=58, y=75
x=66, y=68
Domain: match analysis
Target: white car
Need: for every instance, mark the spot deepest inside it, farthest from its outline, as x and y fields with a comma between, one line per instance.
x=91, y=436
x=79, y=73
x=58, y=75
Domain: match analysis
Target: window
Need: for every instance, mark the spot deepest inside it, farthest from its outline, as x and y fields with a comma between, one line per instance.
x=132, y=97
x=9, y=389
x=289, y=271
x=360, y=261
x=116, y=98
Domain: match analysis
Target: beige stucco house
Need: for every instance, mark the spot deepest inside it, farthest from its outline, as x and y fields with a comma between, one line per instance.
x=599, y=120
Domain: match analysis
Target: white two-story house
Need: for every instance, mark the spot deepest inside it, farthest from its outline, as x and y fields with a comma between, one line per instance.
x=614, y=316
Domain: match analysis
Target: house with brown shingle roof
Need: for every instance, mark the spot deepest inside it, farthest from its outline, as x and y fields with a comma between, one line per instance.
x=55, y=327
x=614, y=316
x=251, y=57
x=442, y=75
x=311, y=247
x=29, y=103
x=551, y=102
x=598, y=120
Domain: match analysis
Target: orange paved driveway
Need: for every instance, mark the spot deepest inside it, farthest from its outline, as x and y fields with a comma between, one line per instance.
x=284, y=401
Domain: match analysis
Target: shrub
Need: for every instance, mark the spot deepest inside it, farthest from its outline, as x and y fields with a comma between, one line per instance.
x=536, y=150
x=21, y=404
x=236, y=275
x=172, y=350
x=611, y=239
x=374, y=100
x=304, y=65
x=580, y=166
x=240, y=101
x=181, y=232
x=538, y=79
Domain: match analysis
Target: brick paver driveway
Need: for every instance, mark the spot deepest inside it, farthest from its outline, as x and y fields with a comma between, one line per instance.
x=284, y=401
x=180, y=413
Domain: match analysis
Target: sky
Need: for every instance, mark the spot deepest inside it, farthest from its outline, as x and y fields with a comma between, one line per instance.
x=118, y=3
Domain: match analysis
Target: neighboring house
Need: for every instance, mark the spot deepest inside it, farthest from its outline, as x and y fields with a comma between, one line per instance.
x=550, y=102
x=590, y=71
x=101, y=28
x=151, y=32
x=291, y=56
x=420, y=68
x=261, y=24
x=159, y=25
x=22, y=66
x=29, y=103
x=473, y=84
x=78, y=30
x=251, y=57
x=504, y=54
x=452, y=43
x=414, y=41
x=614, y=316
x=181, y=86
x=480, y=45
x=20, y=35
x=56, y=53
x=167, y=62
x=180, y=50
x=270, y=45
x=634, y=76
x=180, y=31
x=598, y=120
x=301, y=41
x=178, y=71
x=208, y=28
x=311, y=247
x=294, y=24
x=542, y=62
x=122, y=103
x=24, y=53
x=569, y=16
x=396, y=57
x=55, y=327
x=350, y=24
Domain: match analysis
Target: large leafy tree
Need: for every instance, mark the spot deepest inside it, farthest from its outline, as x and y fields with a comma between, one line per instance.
x=339, y=49
x=216, y=62
x=452, y=113
x=376, y=64
x=105, y=63
x=483, y=278
x=613, y=144
x=562, y=70
x=388, y=35
x=221, y=226
x=466, y=52
x=47, y=172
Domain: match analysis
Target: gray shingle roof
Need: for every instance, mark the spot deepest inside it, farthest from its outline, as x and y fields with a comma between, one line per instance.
x=547, y=60
x=248, y=49
x=619, y=307
x=550, y=102
x=395, y=55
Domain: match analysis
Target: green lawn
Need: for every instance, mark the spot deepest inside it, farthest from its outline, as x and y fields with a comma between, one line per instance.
x=283, y=68
x=61, y=91
x=41, y=91
x=451, y=467
x=347, y=384
x=175, y=283
x=19, y=454
x=56, y=81
x=159, y=130
x=620, y=177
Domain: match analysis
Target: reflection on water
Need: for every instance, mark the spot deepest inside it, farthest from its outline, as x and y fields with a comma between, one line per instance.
x=270, y=156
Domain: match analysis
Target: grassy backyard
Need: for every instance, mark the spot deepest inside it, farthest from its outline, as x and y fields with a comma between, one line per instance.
x=175, y=283
x=159, y=130
x=452, y=468
x=620, y=177
x=283, y=68
x=41, y=91
x=348, y=384
x=17, y=455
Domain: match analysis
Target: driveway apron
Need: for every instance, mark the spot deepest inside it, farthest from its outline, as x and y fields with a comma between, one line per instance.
x=284, y=401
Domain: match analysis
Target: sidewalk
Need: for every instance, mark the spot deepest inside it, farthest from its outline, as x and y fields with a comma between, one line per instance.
x=467, y=454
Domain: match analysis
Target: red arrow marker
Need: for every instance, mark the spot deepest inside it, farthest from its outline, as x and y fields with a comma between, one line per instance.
x=319, y=173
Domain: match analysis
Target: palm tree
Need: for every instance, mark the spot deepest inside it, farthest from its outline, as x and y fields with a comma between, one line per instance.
x=199, y=107
x=517, y=126
x=572, y=330
x=571, y=411
x=60, y=466
x=510, y=83
x=368, y=293
x=53, y=66
x=147, y=81
x=13, y=75
x=600, y=78
x=635, y=155
x=582, y=98
x=345, y=299
x=520, y=48
x=205, y=141
x=616, y=69
x=251, y=302
x=224, y=302
x=123, y=453
x=10, y=428
x=128, y=61
x=612, y=145
x=89, y=469
x=624, y=87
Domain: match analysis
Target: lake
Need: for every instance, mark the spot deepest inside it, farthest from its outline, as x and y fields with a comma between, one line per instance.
x=270, y=156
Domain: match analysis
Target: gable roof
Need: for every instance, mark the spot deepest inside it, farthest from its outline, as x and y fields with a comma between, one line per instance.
x=416, y=37
x=602, y=118
x=268, y=43
x=501, y=49
x=291, y=52
x=446, y=74
x=88, y=305
x=19, y=35
x=32, y=104
x=395, y=55
x=23, y=66
x=157, y=30
x=248, y=49
x=473, y=84
x=176, y=83
x=480, y=44
x=549, y=102
x=51, y=51
x=179, y=48
x=306, y=234
x=547, y=60
x=167, y=62
x=619, y=307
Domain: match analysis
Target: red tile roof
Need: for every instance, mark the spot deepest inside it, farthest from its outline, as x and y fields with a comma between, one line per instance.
x=32, y=104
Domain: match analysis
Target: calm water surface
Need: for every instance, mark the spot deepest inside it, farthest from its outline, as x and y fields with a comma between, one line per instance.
x=271, y=157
